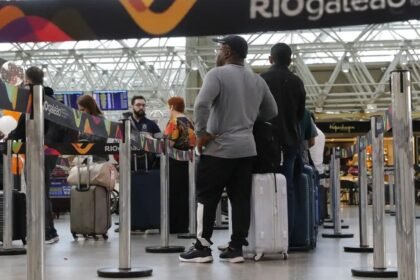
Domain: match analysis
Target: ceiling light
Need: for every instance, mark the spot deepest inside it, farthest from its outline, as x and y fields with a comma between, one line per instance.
x=345, y=65
x=403, y=59
x=194, y=65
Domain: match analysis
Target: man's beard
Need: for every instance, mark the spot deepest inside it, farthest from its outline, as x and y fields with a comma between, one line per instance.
x=139, y=114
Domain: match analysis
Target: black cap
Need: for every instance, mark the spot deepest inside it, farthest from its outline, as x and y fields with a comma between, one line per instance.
x=236, y=43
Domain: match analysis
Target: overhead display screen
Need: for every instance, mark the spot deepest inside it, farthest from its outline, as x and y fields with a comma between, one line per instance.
x=111, y=100
x=68, y=98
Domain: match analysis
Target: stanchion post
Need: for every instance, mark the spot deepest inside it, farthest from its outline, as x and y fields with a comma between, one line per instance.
x=164, y=199
x=363, y=190
x=402, y=130
x=336, y=194
x=379, y=268
x=164, y=208
x=36, y=190
x=192, y=200
x=125, y=270
x=378, y=192
x=8, y=248
x=326, y=224
x=330, y=195
x=218, y=223
x=391, y=184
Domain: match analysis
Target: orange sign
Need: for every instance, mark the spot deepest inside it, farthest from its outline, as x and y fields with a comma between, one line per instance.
x=82, y=148
x=157, y=23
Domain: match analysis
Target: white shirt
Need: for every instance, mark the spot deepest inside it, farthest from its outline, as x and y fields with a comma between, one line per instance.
x=317, y=151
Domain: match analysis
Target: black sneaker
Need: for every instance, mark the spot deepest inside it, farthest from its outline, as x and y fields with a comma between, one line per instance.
x=197, y=255
x=232, y=255
x=52, y=239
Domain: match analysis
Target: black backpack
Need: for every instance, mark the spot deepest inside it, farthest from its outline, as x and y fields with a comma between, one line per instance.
x=269, y=152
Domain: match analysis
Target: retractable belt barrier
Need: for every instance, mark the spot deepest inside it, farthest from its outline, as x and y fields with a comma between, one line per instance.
x=336, y=194
x=170, y=152
x=18, y=99
x=363, y=201
x=379, y=268
x=125, y=270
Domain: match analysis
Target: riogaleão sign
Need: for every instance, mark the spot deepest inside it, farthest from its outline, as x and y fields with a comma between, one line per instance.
x=63, y=20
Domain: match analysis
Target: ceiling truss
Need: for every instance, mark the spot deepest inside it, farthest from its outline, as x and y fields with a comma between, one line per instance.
x=344, y=69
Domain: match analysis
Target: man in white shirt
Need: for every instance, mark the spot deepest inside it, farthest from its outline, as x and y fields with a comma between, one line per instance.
x=317, y=155
x=317, y=151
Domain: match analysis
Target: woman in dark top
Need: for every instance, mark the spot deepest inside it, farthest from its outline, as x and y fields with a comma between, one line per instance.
x=180, y=131
x=88, y=105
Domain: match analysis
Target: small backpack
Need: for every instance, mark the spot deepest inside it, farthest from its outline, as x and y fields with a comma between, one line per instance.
x=269, y=152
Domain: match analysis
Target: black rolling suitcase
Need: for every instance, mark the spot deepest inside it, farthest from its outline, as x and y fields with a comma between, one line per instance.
x=145, y=198
x=145, y=192
x=19, y=216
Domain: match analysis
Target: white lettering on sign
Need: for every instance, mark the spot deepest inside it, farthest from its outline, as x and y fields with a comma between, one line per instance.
x=316, y=9
x=111, y=149
x=51, y=109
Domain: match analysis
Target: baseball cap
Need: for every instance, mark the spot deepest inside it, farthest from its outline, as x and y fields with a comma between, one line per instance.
x=236, y=43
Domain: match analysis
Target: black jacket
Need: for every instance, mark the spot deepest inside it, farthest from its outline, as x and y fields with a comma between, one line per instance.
x=53, y=132
x=289, y=92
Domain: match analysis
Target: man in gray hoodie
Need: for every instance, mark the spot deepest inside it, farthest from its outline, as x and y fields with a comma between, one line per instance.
x=231, y=99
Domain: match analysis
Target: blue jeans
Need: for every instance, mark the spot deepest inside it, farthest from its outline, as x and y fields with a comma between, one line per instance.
x=292, y=168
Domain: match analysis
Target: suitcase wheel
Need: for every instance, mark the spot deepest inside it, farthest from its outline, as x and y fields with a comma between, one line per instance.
x=85, y=236
x=95, y=237
x=258, y=257
x=105, y=236
x=74, y=236
x=285, y=256
x=24, y=241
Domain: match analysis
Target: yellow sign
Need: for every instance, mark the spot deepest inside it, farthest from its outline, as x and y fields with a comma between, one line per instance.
x=157, y=23
x=82, y=150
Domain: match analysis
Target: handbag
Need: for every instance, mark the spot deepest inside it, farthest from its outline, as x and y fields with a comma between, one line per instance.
x=102, y=174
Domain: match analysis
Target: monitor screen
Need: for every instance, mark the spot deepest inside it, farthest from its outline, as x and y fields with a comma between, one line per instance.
x=68, y=98
x=111, y=100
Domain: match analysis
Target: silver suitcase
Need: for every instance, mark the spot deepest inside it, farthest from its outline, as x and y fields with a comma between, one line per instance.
x=90, y=212
x=268, y=231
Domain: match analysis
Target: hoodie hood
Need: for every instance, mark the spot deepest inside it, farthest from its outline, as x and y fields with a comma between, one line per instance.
x=48, y=91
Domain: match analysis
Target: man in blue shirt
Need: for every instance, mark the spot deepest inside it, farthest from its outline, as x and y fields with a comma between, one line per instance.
x=139, y=123
x=138, y=118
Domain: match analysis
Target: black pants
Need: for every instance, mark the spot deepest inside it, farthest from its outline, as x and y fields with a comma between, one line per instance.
x=213, y=175
x=50, y=231
x=178, y=196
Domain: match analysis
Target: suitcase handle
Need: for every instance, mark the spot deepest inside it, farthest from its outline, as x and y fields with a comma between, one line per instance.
x=275, y=183
x=79, y=186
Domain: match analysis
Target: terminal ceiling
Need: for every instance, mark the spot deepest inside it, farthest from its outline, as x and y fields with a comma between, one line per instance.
x=345, y=69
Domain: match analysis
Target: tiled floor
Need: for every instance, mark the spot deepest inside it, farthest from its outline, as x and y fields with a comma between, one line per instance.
x=70, y=260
